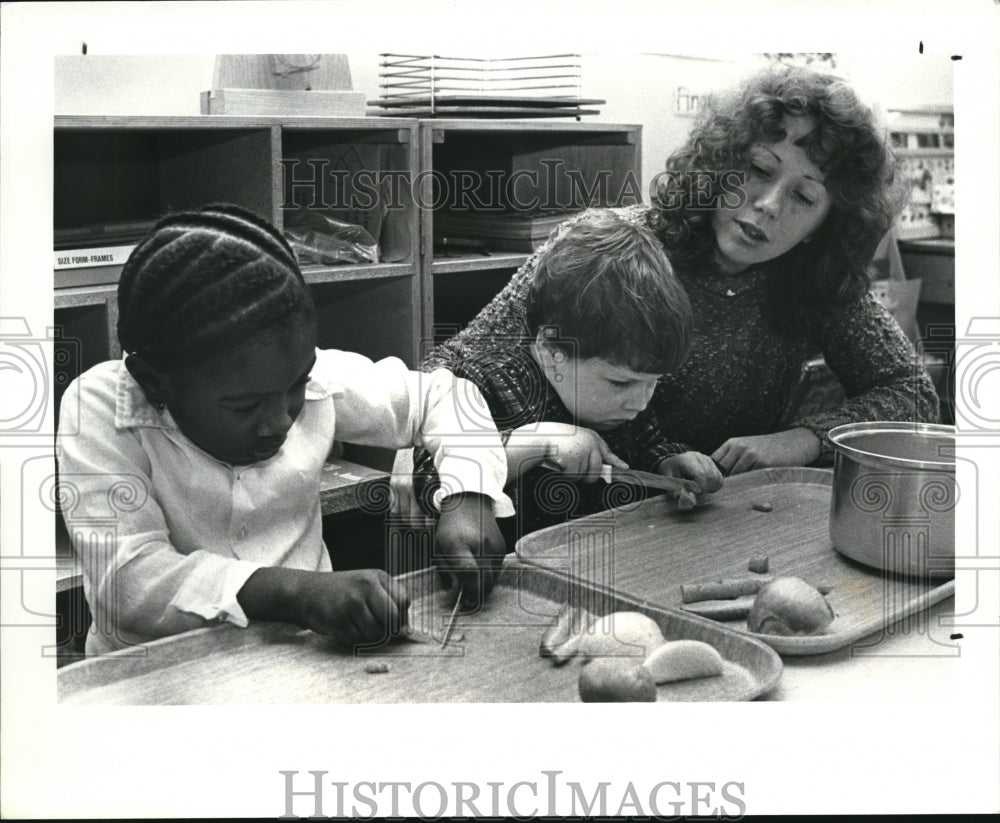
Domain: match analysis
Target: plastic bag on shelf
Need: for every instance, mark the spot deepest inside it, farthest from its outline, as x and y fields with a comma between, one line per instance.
x=319, y=239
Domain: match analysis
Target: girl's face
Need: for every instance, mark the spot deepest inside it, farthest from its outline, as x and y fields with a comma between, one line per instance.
x=239, y=404
x=786, y=203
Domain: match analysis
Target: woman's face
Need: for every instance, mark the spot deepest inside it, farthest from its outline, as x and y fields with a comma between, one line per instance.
x=786, y=203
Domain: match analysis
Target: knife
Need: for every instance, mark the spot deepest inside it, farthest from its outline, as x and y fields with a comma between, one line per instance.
x=684, y=492
x=655, y=481
x=451, y=619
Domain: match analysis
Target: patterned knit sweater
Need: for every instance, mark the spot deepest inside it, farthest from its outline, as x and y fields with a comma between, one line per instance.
x=739, y=376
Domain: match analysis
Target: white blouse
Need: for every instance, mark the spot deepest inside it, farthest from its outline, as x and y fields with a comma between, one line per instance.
x=167, y=535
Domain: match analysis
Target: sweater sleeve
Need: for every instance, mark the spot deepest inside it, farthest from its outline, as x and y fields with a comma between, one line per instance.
x=643, y=445
x=882, y=375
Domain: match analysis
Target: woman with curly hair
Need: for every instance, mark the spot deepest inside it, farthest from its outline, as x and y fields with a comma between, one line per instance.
x=770, y=215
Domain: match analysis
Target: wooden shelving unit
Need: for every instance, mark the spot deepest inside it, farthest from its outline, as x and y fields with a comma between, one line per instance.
x=374, y=172
x=126, y=170
x=924, y=139
x=510, y=165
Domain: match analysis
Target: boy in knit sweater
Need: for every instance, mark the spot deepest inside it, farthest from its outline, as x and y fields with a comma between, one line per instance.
x=606, y=318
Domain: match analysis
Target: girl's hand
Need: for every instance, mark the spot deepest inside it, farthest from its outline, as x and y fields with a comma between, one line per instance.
x=354, y=607
x=469, y=546
x=576, y=451
x=794, y=447
x=693, y=466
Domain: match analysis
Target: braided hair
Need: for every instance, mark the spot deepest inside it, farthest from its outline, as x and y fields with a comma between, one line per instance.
x=205, y=280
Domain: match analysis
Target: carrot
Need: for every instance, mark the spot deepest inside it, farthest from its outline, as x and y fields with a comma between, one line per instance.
x=737, y=609
x=722, y=589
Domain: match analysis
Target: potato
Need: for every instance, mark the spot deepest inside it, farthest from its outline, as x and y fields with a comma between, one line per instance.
x=789, y=606
x=616, y=680
x=621, y=634
x=683, y=660
x=561, y=639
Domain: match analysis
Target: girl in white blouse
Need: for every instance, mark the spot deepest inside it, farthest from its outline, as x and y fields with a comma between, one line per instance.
x=203, y=447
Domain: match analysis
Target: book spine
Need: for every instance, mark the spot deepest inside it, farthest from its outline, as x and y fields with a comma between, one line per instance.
x=86, y=258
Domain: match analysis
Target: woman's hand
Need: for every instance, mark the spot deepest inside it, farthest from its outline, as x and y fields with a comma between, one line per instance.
x=794, y=447
x=469, y=546
x=693, y=466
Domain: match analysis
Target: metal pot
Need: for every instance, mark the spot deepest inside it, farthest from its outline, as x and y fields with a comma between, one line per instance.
x=894, y=496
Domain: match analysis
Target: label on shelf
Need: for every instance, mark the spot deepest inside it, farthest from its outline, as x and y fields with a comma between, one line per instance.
x=86, y=258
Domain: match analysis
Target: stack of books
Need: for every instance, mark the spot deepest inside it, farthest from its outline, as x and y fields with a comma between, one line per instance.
x=509, y=231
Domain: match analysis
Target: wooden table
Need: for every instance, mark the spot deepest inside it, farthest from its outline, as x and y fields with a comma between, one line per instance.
x=492, y=656
x=649, y=549
x=915, y=659
x=909, y=648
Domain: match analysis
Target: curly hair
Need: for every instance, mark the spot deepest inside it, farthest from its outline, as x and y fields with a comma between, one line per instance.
x=811, y=280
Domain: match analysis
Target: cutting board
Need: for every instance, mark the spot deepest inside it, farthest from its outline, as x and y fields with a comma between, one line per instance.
x=646, y=552
x=492, y=657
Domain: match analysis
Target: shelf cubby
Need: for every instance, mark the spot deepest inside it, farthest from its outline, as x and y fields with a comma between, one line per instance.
x=510, y=167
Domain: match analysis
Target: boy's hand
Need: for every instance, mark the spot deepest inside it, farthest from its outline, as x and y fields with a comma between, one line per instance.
x=577, y=451
x=470, y=545
x=693, y=466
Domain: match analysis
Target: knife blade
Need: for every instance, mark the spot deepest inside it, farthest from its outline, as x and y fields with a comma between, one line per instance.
x=655, y=481
x=451, y=619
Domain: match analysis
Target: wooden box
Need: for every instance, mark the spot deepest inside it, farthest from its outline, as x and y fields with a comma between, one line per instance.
x=313, y=103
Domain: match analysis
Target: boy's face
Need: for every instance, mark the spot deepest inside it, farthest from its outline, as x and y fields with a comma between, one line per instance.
x=598, y=393
x=239, y=404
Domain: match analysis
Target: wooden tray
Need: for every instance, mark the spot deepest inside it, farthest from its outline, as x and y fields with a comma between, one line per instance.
x=646, y=554
x=494, y=658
